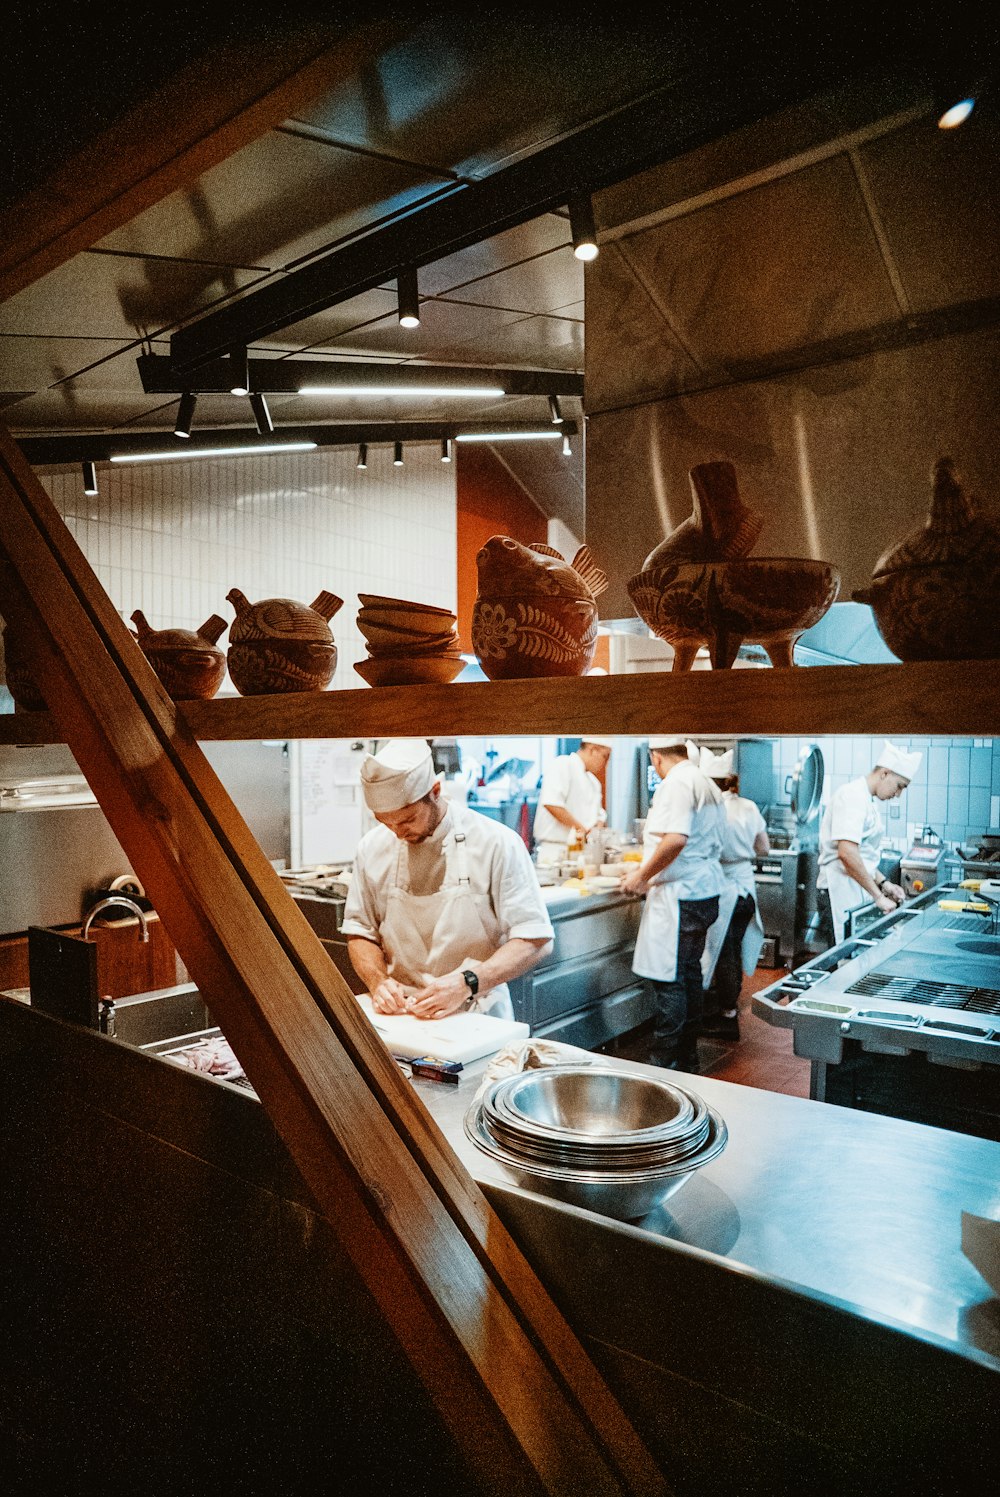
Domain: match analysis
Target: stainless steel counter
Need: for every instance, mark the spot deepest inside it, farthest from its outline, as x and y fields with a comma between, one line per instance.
x=847, y=1207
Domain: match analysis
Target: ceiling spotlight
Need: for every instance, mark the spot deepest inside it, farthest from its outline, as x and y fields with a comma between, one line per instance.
x=953, y=108
x=89, y=478
x=362, y=455
x=567, y=446
x=397, y=455
x=581, y=227
x=554, y=410
x=261, y=414
x=446, y=449
x=409, y=298
x=185, y=414
x=240, y=375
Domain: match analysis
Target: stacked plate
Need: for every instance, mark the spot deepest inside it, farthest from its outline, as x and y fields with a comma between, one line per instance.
x=613, y=1141
x=408, y=643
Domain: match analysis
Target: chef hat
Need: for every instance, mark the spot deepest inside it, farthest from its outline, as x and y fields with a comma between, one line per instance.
x=898, y=760
x=675, y=741
x=601, y=742
x=400, y=773
x=717, y=766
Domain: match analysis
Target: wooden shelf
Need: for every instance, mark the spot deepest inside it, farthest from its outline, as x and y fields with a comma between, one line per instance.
x=937, y=697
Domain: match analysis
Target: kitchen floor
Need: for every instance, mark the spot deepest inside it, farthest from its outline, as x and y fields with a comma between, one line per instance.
x=762, y=1057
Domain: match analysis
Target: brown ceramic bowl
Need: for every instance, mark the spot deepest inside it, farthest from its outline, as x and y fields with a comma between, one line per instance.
x=515, y=639
x=387, y=636
x=260, y=667
x=407, y=622
x=769, y=600
x=408, y=670
x=375, y=600
x=447, y=646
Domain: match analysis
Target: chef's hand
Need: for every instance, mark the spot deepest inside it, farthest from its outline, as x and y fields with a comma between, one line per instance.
x=445, y=995
x=633, y=883
x=391, y=997
x=884, y=901
x=894, y=891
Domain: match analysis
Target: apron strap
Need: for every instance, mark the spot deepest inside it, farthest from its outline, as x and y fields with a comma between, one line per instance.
x=461, y=859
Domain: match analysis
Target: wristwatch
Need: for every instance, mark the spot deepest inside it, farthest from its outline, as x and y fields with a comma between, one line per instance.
x=472, y=983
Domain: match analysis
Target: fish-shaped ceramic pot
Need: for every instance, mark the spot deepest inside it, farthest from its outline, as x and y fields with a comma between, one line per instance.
x=187, y=661
x=535, y=613
x=934, y=594
x=279, y=645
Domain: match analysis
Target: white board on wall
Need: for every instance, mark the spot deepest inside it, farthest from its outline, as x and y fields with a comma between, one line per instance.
x=328, y=812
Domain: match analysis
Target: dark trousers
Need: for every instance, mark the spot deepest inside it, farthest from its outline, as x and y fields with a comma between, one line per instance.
x=724, y=990
x=679, y=1003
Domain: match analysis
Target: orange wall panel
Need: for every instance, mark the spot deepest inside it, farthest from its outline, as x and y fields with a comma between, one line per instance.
x=490, y=502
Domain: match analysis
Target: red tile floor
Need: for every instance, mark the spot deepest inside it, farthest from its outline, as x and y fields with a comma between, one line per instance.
x=761, y=1057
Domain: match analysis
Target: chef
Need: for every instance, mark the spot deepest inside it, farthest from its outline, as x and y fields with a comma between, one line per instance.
x=734, y=948
x=443, y=907
x=850, y=839
x=570, y=802
x=682, y=879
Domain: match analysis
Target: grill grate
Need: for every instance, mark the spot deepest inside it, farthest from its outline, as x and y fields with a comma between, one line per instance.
x=925, y=991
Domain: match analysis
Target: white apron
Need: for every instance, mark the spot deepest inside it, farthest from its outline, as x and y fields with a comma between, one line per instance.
x=739, y=880
x=655, y=954
x=427, y=935
x=548, y=854
x=846, y=893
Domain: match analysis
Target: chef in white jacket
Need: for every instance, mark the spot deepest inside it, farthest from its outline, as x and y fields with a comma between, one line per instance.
x=443, y=906
x=570, y=802
x=682, y=879
x=851, y=835
x=733, y=949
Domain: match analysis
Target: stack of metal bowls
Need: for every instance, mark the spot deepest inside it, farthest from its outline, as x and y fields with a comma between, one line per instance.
x=614, y=1141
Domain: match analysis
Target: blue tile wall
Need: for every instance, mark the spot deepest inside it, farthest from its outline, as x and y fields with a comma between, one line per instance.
x=956, y=791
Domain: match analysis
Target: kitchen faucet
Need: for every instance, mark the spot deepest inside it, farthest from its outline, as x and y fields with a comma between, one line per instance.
x=111, y=902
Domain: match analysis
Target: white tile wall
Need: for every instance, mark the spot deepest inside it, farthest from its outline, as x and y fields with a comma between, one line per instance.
x=173, y=538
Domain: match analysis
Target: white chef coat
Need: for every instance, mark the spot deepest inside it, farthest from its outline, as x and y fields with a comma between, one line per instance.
x=457, y=897
x=744, y=824
x=565, y=783
x=689, y=803
x=852, y=815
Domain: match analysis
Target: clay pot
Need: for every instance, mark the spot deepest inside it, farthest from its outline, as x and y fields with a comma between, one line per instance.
x=720, y=526
x=279, y=645
x=768, y=600
x=535, y=613
x=531, y=637
x=187, y=661
x=20, y=682
x=934, y=594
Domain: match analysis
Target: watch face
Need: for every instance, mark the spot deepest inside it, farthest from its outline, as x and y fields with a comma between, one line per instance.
x=471, y=982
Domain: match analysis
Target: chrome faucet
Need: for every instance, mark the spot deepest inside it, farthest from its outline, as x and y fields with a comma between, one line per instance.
x=110, y=903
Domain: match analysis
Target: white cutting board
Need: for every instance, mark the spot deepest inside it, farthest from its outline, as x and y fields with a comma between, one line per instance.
x=464, y=1037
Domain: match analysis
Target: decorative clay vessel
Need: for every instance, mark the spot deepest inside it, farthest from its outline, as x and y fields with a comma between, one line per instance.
x=20, y=682
x=535, y=613
x=719, y=527
x=769, y=600
x=279, y=645
x=187, y=661
x=700, y=588
x=934, y=595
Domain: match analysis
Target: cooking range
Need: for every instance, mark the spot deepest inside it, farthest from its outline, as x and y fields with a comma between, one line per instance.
x=905, y=1019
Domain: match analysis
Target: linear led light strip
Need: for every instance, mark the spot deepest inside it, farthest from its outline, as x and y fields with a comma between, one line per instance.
x=416, y=391
x=506, y=436
x=165, y=457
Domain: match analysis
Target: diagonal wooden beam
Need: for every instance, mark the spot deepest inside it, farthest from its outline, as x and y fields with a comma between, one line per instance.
x=513, y=1386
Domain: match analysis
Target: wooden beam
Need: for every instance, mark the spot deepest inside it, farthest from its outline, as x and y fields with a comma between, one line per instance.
x=931, y=696
x=208, y=110
x=514, y=1388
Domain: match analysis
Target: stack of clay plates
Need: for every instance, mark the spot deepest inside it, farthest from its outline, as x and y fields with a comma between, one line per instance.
x=409, y=644
x=614, y=1141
